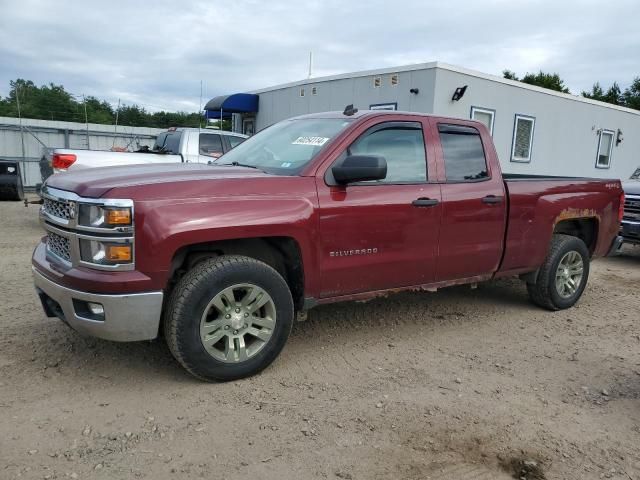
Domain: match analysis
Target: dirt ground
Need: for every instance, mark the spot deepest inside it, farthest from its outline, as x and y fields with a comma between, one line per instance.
x=459, y=384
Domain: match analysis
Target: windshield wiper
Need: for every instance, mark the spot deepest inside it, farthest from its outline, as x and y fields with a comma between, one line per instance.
x=235, y=164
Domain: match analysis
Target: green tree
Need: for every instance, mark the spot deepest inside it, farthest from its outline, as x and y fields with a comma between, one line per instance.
x=551, y=81
x=53, y=102
x=631, y=95
x=508, y=74
x=613, y=95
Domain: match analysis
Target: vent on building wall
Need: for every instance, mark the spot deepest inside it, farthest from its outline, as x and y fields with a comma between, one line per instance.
x=377, y=81
x=302, y=92
x=314, y=90
x=394, y=79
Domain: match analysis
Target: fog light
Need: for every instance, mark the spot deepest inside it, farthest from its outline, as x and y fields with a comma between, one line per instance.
x=119, y=253
x=95, y=308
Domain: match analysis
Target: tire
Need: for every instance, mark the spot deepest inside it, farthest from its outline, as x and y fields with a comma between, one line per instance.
x=209, y=286
x=545, y=292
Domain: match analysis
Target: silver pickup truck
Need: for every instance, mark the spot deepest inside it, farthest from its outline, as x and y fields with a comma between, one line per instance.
x=190, y=145
x=630, y=225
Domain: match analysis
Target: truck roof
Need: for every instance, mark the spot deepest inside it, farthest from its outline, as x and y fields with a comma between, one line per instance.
x=206, y=130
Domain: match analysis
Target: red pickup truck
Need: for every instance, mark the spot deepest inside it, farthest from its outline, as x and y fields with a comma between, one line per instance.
x=316, y=209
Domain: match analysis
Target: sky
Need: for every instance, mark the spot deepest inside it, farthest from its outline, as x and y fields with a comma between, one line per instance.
x=157, y=53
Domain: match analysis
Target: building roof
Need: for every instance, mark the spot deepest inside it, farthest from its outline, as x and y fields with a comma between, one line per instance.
x=451, y=68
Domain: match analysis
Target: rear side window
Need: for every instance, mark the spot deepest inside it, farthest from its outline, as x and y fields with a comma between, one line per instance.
x=464, y=158
x=402, y=146
x=210, y=144
x=160, y=139
x=235, y=141
x=172, y=143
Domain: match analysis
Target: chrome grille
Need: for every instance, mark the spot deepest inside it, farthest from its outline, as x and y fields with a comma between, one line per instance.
x=632, y=209
x=60, y=209
x=59, y=246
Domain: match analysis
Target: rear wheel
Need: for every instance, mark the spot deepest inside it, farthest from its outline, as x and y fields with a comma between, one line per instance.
x=563, y=277
x=228, y=318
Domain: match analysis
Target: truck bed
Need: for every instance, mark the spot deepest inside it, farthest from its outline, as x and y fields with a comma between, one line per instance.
x=537, y=203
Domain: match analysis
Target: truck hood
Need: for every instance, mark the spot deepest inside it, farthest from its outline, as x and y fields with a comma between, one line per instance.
x=97, y=182
x=631, y=187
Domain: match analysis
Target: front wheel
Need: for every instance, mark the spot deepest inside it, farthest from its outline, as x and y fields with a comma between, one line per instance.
x=228, y=318
x=563, y=276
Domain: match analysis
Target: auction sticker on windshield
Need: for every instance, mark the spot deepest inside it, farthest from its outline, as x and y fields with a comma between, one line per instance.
x=313, y=141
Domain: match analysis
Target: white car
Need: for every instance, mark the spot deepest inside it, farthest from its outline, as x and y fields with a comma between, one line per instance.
x=191, y=145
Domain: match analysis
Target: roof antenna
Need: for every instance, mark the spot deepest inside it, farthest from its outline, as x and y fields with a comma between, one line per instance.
x=349, y=110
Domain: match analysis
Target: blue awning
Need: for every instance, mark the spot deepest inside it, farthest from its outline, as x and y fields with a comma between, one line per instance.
x=225, y=105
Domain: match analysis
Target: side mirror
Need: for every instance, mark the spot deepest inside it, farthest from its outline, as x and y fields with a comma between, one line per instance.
x=360, y=168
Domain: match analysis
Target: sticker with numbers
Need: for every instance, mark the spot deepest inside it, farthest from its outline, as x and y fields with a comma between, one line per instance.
x=313, y=141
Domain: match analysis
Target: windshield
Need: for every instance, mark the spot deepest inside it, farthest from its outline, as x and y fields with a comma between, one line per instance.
x=286, y=147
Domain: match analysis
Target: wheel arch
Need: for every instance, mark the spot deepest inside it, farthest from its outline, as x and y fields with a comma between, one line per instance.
x=282, y=253
x=585, y=228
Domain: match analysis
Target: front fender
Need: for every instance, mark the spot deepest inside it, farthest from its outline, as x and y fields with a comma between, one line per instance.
x=163, y=227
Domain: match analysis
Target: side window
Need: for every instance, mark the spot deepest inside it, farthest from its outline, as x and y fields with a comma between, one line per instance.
x=522, y=139
x=210, y=144
x=605, y=147
x=484, y=115
x=235, y=141
x=464, y=159
x=402, y=146
x=172, y=142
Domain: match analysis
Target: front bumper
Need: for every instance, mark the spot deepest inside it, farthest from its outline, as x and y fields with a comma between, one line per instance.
x=630, y=231
x=615, y=246
x=127, y=317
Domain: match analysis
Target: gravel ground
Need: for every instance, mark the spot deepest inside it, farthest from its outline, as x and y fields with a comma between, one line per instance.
x=453, y=385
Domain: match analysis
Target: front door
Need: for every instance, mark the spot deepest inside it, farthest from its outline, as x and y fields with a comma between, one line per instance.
x=473, y=205
x=381, y=234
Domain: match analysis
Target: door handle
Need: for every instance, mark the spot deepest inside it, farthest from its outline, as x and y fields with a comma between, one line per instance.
x=425, y=202
x=492, y=199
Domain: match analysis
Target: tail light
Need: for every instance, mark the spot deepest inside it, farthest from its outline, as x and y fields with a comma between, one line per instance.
x=621, y=209
x=62, y=161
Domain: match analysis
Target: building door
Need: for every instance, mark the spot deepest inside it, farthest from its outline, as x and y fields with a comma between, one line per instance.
x=380, y=234
x=248, y=125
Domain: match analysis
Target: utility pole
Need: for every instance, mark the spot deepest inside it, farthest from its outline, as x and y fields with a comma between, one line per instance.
x=86, y=119
x=200, y=110
x=310, y=64
x=115, y=128
x=21, y=129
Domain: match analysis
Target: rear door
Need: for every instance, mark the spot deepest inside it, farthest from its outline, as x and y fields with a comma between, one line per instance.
x=210, y=147
x=473, y=203
x=381, y=234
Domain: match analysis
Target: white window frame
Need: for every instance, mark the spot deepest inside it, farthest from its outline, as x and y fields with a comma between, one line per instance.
x=487, y=111
x=302, y=91
x=377, y=81
x=613, y=135
x=314, y=90
x=526, y=118
x=384, y=106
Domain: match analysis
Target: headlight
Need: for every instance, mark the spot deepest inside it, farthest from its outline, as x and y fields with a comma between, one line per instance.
x=99, y=216
x=106, y=252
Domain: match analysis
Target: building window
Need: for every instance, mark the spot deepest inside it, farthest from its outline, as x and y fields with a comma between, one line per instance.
x=605, y=149
x=377, y=81
x=302, y=92
x=383, y=106
x=522, y=139
x=394, y=79
x=314, y=90
x=485, y=116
